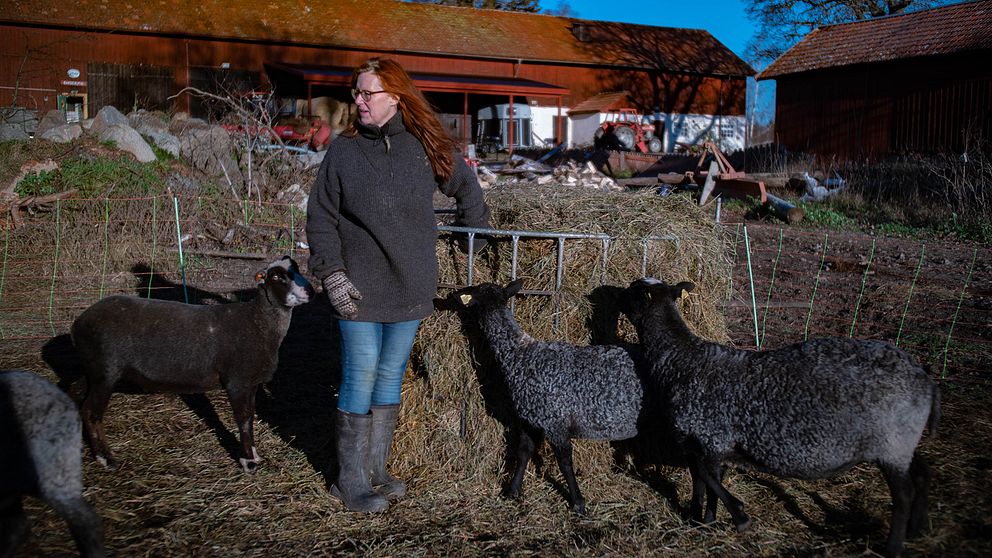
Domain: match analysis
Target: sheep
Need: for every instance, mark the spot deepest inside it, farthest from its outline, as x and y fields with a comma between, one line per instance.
x=559, y=391
x=809, y=410
x=41, y=455
x=170, y=347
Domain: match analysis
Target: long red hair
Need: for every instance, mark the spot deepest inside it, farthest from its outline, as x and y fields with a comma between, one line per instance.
x=418, y=115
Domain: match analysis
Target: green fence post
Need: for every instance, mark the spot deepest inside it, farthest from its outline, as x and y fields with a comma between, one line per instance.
x=764, y=316
x=816, y=283
x=864, y=279
x=750, y=276
x=55, y=266
x=905, y=308
x=943, y=370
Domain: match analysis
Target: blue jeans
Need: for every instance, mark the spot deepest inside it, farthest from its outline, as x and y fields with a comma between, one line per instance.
x=373, y=361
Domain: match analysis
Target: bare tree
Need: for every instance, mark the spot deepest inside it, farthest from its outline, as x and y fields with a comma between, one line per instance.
x=783, y=23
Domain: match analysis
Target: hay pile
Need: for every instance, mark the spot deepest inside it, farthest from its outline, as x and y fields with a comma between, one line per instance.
x=456, y=415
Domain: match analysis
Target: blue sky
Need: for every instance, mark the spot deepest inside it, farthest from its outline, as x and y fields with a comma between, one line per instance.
x=724, y=19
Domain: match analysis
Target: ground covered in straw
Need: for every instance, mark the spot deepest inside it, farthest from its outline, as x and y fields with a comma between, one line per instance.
x=179, y=491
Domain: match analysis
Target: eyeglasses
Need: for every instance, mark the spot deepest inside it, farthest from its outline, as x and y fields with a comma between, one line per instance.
x=366, y=95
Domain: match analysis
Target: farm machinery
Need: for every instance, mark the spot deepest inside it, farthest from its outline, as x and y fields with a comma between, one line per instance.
x=623, y=129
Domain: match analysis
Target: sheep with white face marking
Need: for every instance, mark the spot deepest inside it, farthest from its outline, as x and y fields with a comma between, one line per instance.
x=809, y=410
x=170, y=347
x=559, y=391
x=41, y=455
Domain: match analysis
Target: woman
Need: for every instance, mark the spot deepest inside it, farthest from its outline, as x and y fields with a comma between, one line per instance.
x=371, y=230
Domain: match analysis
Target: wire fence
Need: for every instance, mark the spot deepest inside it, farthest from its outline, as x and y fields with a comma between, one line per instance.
x=932, y=299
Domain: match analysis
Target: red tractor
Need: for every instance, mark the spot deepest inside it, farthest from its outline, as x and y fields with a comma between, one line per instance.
x=623, y=129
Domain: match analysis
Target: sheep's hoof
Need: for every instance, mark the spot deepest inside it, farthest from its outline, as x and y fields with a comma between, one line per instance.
x=251, y=465
x=579, y=508
x=743, y=525
x=109, y=463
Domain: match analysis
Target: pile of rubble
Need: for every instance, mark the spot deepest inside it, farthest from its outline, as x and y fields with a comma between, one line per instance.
x=521, y=169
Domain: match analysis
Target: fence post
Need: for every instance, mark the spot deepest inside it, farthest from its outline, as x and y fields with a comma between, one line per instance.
x=943, y=370
x=864, y=279
x=816, y=283
x=905, y=308
x=55, y=265
x=764, y=316
x=750, y=277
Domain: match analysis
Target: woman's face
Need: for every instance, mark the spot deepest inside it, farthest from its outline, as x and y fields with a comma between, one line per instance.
x=379, y=107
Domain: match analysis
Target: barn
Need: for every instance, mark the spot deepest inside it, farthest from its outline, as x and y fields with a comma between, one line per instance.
x=918, y=82
x=470, y=62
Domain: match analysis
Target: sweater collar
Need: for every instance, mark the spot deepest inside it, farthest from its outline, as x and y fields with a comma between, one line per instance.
x=394, y=126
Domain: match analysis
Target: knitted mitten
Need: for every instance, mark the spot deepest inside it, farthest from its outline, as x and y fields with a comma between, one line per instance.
x=342, y=294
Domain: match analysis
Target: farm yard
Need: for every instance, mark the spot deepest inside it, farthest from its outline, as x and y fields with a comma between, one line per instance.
x=179, y=491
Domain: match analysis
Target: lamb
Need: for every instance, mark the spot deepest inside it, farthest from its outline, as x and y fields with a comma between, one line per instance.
x=41, y=455
x=170, y=347
x=810, y=410
x=559, y=391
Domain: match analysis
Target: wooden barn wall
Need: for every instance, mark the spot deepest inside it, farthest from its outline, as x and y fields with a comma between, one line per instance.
x=871, y=111
x=34, y=62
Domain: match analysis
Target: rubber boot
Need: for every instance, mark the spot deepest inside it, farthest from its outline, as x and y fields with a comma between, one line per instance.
x=352, y=486
x=383, y=425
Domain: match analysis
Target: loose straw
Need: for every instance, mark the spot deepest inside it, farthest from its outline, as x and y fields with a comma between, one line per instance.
x=905, y=308
x=764, y=316
x=816, y=283
x=967, y=279
x=750, y=276
x=864, y=279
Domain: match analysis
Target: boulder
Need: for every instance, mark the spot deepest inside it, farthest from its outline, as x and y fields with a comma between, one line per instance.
x=127, y=139
x=63, y=133
x=52, y=119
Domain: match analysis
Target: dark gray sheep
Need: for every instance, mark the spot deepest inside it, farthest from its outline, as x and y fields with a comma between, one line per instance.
x=559, y=391
x=809, y=410
x=41, y=455
x=170, y=347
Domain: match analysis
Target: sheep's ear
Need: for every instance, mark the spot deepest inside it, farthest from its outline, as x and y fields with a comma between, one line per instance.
x=513, y=287
x=682, y=289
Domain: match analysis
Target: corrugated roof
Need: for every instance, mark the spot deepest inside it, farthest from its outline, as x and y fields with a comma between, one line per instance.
x=949, y=29
x=391, y=26
x=604, y=102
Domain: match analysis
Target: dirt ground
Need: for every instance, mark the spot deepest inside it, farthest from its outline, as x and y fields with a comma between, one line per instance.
x=179, y=493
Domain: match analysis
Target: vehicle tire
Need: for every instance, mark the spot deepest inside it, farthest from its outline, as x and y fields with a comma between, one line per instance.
x=625, y=136
x=654, y=145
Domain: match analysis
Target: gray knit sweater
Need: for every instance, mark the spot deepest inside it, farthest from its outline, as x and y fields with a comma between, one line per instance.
x=371, y=214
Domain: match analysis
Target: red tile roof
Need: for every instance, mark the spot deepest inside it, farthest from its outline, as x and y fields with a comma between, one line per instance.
x=950, y=29
x=391, y=26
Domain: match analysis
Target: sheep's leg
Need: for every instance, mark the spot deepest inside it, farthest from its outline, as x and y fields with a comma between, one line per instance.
x=243, y=406
x=97, y=397
x=711, y=475
x=13, y=523
x=84, y=524
x=563, y=453
x=901, y=487
x=919, y=472
x=525, y=448
x=699, y=491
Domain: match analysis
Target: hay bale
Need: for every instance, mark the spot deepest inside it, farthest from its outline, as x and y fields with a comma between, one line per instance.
x=457, y=414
